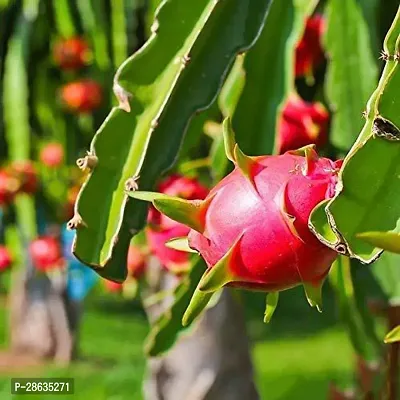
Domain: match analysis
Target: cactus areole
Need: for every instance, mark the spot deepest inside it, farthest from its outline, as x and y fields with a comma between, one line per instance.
x=252, y=228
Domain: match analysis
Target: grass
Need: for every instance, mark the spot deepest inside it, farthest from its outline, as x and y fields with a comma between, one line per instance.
x=295, y=356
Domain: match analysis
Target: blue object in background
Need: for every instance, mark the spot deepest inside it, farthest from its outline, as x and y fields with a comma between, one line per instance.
x=81, y=279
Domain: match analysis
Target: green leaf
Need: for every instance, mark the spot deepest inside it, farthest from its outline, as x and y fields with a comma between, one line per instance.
x=166, y=329
x=352, y=71
x=367, y=199
x=393, y=335
x=269, y=76
x=163, y=89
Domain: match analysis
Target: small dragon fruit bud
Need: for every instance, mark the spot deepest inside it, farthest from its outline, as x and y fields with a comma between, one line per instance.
x=52, y=155
x=46, y=253
x=162, y=228
x=9, y=187
x=252, y=228
x=301, y=124
x=26, y=174
x=136, y=262
x=309, y=52
x=71, y=54
x=82, y=96
x=5, y=258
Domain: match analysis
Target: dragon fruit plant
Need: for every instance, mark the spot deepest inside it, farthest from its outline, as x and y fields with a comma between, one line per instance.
x=302, y=123
x=252, y=228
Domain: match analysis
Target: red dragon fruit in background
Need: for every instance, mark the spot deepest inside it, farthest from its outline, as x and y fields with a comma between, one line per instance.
x=302, y=123
x=82, y=96
x=52, y=155
x=25, y=172
x=5, y=258
x=71, y=54
x=161, y=228
x=136, y=262
x=252, y=228
x=309, y=52
x=113, y=287
x=9, y=186
x=46, y=253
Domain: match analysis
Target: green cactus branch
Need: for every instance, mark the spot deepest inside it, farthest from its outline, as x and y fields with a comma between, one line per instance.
x=177, y=73
x=269, y=75
x=16, y=110
x=368, y=197
x=342, y=282
x=352, y=72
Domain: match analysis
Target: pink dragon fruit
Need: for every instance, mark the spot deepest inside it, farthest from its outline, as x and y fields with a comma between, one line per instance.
x=136, y=261
x=301, y=124
x=309, y=52
x=161, y=228
x=5, y=258
x=252, y=228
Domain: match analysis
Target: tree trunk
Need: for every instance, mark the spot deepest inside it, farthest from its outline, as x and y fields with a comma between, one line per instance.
x=43, y=322
x=211, y=361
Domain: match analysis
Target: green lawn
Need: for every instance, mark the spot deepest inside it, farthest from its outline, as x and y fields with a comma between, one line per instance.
x=295, y=356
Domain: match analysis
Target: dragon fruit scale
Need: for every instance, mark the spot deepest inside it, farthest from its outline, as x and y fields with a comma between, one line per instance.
x=252, y=228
